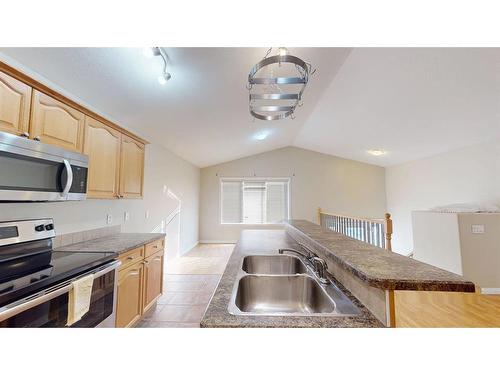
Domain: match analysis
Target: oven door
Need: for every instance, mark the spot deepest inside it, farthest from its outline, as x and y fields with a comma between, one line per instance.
x=49, y=308
x=32, y=171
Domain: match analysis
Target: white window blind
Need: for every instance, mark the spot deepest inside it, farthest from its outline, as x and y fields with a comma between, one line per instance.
x=252, y=201
x=231, y=198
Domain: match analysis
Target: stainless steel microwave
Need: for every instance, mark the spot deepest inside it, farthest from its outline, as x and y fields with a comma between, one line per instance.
x=34, y=171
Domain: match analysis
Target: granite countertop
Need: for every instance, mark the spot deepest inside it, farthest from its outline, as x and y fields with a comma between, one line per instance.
x=268, y=242
x=379, y=268
x=116, y=243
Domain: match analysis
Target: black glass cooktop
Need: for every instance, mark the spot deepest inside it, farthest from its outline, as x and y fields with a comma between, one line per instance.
x=29, y=274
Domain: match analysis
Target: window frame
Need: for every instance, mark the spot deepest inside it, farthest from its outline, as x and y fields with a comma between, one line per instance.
x=288, y=181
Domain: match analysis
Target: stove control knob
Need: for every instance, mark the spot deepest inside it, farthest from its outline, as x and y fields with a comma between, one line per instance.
x=40, y=228
x=49, y=227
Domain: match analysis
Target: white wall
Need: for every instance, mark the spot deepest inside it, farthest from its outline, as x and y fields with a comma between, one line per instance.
x=161, y=168
x=317, y=180
x=470, y=174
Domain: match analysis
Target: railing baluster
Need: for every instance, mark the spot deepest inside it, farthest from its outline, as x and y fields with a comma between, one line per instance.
x=372, y=231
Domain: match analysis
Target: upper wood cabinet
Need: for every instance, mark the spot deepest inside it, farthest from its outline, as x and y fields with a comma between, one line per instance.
x=102, y=145
x=15, y=100
x=56, y=123
x=132, y=168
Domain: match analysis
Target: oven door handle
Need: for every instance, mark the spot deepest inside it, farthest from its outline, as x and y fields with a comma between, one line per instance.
x=69, y=180
x=41, y=297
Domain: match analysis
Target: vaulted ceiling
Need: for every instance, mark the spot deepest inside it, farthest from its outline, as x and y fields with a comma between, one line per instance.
x=411, y=102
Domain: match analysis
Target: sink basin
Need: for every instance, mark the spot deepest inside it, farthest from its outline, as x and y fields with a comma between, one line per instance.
x=270, y=295
x=282, y=285
x=273, y=265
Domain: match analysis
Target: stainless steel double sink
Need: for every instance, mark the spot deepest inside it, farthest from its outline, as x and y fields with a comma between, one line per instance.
x=283, y=285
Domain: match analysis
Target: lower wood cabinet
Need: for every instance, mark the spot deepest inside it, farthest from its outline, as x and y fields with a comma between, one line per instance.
x=140, y=283
x=153, y=279
x=130, y=288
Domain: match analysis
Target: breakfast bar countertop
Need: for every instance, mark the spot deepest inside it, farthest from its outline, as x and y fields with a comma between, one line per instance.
x=117, y=243
x=266, y=242
x=379, y=268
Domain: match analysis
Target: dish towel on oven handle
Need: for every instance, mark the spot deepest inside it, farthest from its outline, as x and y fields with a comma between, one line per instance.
x=79, y=298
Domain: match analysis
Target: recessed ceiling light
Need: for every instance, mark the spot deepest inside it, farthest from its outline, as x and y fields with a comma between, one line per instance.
x=377, y=152
x=260, y=136
x=282, y=51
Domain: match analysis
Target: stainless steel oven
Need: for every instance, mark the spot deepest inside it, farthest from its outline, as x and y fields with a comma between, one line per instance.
x=49, y=307
x=36, y=280
x=34, y=171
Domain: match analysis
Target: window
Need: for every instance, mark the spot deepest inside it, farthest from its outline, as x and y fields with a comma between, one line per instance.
x=254, y=201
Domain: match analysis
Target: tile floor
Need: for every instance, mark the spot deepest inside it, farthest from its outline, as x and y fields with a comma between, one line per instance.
x=189, y=283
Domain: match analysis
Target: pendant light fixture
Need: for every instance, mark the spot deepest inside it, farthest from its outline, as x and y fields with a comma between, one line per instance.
x=150, y=52
x=273, y=96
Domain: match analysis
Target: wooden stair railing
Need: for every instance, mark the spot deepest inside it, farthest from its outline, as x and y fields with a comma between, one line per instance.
x=377, y=232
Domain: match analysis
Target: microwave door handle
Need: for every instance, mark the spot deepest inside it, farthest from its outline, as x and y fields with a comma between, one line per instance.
x=69, y=180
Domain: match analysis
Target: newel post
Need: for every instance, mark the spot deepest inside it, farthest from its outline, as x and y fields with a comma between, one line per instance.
x=388, y=232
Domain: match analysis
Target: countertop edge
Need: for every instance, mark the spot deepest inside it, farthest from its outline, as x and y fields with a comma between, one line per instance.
x=390, y=283
x=102, y=244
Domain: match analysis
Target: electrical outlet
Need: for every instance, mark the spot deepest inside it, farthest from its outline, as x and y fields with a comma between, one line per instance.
x=109, y=219
x=126, y=216
x=146, y=214
x=477, y=228
x=165, y=189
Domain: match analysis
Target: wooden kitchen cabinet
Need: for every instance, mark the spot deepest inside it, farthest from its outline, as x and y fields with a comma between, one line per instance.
x=131, y=168
x=15, y=101
x=153, y=279
x=140, y=282
x=116, y=156
x=56, y=123
x=102, y=145
x=129, y=298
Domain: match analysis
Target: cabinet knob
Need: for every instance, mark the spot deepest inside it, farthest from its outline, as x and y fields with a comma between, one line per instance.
x=130, y=258
x=25, y=135
x=145, y=262
x=37, y=138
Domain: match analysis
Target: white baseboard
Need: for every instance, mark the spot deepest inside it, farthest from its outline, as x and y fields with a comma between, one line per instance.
x=490, y=290
x=217, y=241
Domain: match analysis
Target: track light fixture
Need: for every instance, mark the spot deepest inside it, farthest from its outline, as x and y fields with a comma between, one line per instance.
x=151, y=52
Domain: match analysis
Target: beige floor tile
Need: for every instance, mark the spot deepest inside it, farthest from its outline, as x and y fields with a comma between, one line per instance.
x=189, y=283
x=174, y=313
x=197, y=286
x=169, y=325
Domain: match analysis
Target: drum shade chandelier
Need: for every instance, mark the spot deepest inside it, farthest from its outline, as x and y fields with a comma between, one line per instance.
x=275, y=97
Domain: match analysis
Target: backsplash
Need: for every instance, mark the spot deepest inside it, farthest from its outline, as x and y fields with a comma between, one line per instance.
x=86, y=235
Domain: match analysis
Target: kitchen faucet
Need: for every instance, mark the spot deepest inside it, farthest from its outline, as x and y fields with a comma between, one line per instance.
x=318, y=264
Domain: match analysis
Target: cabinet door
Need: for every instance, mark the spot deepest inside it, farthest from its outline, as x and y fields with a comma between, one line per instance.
x=102, y=145
x=15, y=101
x=56, y=123
x=132, y=168
x=153, y=279
x=129, y=299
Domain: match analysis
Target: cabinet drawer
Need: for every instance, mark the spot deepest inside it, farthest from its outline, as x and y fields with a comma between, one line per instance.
x=154, y=247
x=131, y=257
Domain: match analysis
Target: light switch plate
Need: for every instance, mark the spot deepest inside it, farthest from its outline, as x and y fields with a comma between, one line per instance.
x=147, y=214
x=477, y=228
x=126, y=216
